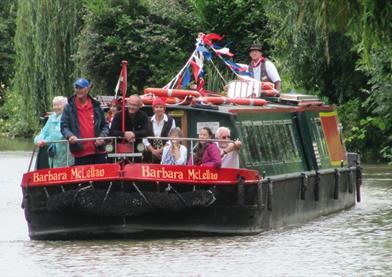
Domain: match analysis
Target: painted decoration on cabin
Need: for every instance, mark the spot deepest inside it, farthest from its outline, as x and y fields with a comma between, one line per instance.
x=336, y=150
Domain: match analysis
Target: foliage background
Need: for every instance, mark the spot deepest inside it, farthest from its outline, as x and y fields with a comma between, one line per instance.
x=339, y=50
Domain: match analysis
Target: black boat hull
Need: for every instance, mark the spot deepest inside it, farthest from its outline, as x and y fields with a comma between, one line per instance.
x=243, y=209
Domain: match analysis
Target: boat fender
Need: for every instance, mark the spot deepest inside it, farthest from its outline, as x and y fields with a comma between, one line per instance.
x=269, y=194
x=317, y=186
x=260, y=194
x=337, y=180
x=25, y=206
x=240, y=191
x=359, y=182
x=351, y=181
x=304, y=185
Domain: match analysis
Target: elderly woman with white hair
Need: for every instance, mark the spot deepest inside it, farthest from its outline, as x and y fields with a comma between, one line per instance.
x=57, y=152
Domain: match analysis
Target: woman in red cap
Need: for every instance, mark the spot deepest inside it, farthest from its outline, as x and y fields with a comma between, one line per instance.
x=160, y=126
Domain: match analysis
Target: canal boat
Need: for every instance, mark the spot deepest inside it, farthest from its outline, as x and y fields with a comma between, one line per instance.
x=293, y=168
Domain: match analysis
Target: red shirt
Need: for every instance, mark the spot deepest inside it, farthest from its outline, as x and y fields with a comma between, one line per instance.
x=86, y=125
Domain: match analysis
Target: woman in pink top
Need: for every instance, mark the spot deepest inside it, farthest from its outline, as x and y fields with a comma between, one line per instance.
x=206, y=153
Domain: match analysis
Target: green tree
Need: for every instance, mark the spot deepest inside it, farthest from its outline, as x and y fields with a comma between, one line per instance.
x=138, y=31
x=45, y=41
x=314, y=50
x=341, y=50
x=7, y=53
x=242, y=23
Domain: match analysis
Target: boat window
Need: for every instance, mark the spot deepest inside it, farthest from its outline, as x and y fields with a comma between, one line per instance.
x=318, y=134
x=252, y=143
x=270, y=142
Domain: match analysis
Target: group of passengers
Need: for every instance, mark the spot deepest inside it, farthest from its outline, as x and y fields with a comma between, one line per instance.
x=81, y=117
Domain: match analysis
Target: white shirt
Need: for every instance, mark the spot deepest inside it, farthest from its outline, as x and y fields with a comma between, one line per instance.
x=231, y=159
x=272, y=72
x=157, y=127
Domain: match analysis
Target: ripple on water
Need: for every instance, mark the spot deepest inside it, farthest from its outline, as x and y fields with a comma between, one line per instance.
x=353, y=242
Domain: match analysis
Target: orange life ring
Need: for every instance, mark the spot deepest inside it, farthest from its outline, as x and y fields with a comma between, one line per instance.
x=269, y=93
x=267, y=86
x=164, y=92
x=268, y=89
x=147, y=100
x=237, y=101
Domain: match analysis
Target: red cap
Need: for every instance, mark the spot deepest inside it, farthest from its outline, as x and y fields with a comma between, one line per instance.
x=159, y=101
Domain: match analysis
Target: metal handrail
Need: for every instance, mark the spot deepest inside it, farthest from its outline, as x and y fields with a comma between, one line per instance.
x=192, y=140
x=67, y=142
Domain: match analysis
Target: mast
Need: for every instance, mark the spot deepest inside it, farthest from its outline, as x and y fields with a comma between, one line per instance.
x=124, y=91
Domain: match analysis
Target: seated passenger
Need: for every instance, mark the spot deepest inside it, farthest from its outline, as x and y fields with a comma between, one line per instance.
x=57, y=152
x=206, y=153
x=228, y=150
x=159, y=126
x=136, y=121
x=174, y=153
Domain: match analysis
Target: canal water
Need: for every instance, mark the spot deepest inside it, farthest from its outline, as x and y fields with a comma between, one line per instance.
x=356, y=242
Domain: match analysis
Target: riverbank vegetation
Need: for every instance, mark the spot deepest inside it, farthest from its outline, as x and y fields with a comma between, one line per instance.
x=339, y=50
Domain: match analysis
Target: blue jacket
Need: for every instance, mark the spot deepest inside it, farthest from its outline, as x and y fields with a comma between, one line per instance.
x=51, y=132
x=70, y=123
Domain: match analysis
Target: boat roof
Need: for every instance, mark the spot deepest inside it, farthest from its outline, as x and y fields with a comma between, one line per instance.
x=283, y=103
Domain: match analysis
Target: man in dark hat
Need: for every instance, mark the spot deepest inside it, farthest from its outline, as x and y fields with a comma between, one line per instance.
x=262, y=68
x=83, y=118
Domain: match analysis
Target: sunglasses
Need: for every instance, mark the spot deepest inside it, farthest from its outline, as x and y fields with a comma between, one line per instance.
x=225, y=137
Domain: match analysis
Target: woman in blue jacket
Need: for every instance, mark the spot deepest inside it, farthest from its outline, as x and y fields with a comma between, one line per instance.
x=51, y=132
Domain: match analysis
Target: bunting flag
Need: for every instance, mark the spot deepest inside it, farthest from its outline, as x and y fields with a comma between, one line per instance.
x=186, y=78
x=200, y=87
x=179, y=81
x=202, y=49
x=209, y=38
x=224, y=51
x=239, y=69
x=197, y=65
x=205, y=46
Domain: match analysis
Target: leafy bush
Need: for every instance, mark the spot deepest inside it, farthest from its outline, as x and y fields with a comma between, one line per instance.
x=12, y=121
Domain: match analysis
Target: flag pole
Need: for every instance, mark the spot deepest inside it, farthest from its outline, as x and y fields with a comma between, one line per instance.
x=124, y=91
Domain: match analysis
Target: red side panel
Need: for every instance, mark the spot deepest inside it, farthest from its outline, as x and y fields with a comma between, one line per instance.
x=74, y=174
x=336, y=149
x=194, y=175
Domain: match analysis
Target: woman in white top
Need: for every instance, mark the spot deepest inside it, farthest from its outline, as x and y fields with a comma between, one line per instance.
x=174, y=153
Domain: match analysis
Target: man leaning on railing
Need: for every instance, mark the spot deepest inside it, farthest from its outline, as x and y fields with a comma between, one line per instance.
x=83, y=118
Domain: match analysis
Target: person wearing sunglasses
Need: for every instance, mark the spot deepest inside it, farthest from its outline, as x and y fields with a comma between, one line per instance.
x=229, y=150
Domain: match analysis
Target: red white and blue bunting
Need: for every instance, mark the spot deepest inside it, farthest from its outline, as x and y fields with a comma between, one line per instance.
x=205, y=46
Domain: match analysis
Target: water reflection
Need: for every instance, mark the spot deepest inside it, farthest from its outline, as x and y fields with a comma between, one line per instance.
x=353, y=242
x=16, y=144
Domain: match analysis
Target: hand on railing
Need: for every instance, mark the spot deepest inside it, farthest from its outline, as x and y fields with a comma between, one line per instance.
x=73, y=139
x=129, y=136
x=100, y=141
